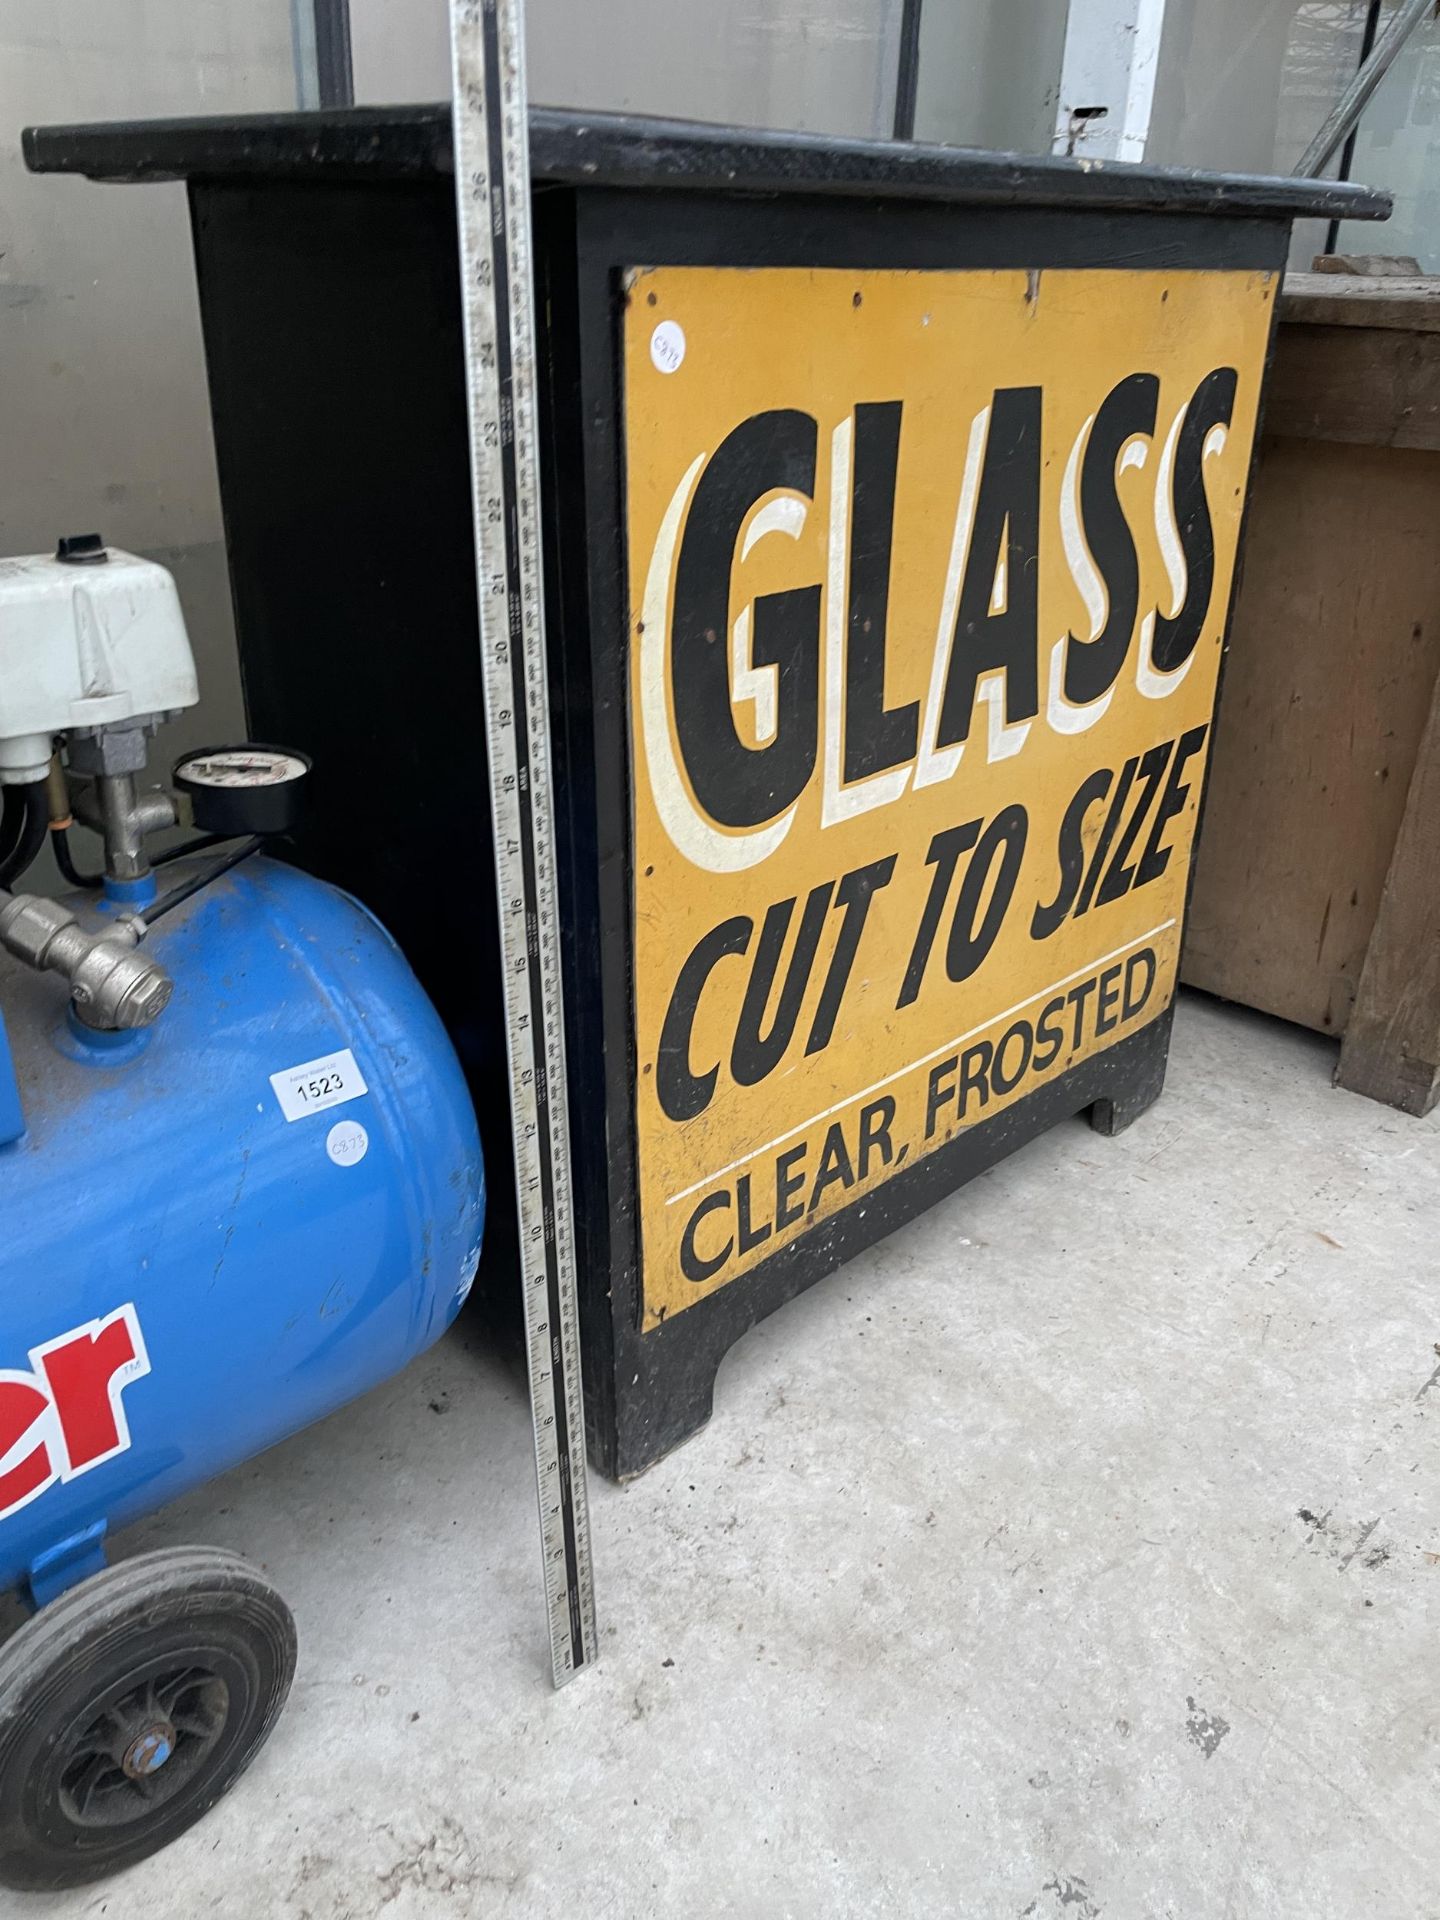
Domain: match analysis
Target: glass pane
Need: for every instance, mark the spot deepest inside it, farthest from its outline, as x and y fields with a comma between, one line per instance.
x=811, y=65
x=1243, y=86
x=990, y=73
x=1398, y=146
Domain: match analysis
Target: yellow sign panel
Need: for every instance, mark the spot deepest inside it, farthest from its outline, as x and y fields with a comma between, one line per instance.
x=929, y=573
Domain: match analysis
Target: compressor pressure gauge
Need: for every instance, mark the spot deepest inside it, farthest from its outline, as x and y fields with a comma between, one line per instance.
x=247, y=789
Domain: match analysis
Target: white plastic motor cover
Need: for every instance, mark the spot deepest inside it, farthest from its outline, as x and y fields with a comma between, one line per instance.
x=85, y=646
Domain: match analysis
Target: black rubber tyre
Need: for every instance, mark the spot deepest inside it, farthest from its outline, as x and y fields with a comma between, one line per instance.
x=128, y=1707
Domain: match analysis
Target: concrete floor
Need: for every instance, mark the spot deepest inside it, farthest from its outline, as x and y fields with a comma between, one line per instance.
x=1071, y=1554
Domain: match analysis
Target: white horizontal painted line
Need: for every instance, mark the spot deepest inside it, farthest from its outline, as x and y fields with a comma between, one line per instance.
x=924, y=1060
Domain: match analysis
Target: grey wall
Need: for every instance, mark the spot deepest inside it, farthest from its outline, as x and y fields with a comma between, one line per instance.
x=766, y=63
x=1243, y=85
x=825, y=68
x=1398, y=146
x=990, y=72
x=760, y=62
x=401, y=50
x=987, y=75
x=102, y=380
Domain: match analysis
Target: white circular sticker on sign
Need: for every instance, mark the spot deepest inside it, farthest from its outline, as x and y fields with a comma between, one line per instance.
x=347, y=1143
x=667, y=345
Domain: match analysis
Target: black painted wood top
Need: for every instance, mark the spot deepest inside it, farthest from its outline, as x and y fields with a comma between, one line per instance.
x=603, y=149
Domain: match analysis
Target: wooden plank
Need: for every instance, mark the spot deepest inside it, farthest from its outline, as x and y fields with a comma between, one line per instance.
x=1392, y=1046
x=1334, y=654
x=1396, y=266
x=1372, y=388
x=1412, y=304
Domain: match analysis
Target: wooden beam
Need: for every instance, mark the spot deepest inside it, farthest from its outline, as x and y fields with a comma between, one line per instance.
x=1391, y=1049
x=1376, y=388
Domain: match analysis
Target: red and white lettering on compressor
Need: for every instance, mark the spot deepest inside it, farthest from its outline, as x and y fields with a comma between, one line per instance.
x=65, y=1416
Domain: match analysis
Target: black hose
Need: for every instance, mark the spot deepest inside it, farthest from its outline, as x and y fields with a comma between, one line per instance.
x=198, y=845
x=178, y=895
x=34, y=827
x=12, y=821
x=64, y=860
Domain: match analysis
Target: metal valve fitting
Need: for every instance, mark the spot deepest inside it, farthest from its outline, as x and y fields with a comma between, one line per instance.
x=112, y=987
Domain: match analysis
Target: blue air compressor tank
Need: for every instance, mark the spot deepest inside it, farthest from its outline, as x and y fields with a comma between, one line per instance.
x=220, y=1227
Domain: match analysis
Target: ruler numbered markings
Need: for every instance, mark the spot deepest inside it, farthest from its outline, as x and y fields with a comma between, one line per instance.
x=492, y=176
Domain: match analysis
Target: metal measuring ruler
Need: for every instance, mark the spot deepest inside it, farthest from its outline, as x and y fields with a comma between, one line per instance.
x=492, y=196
